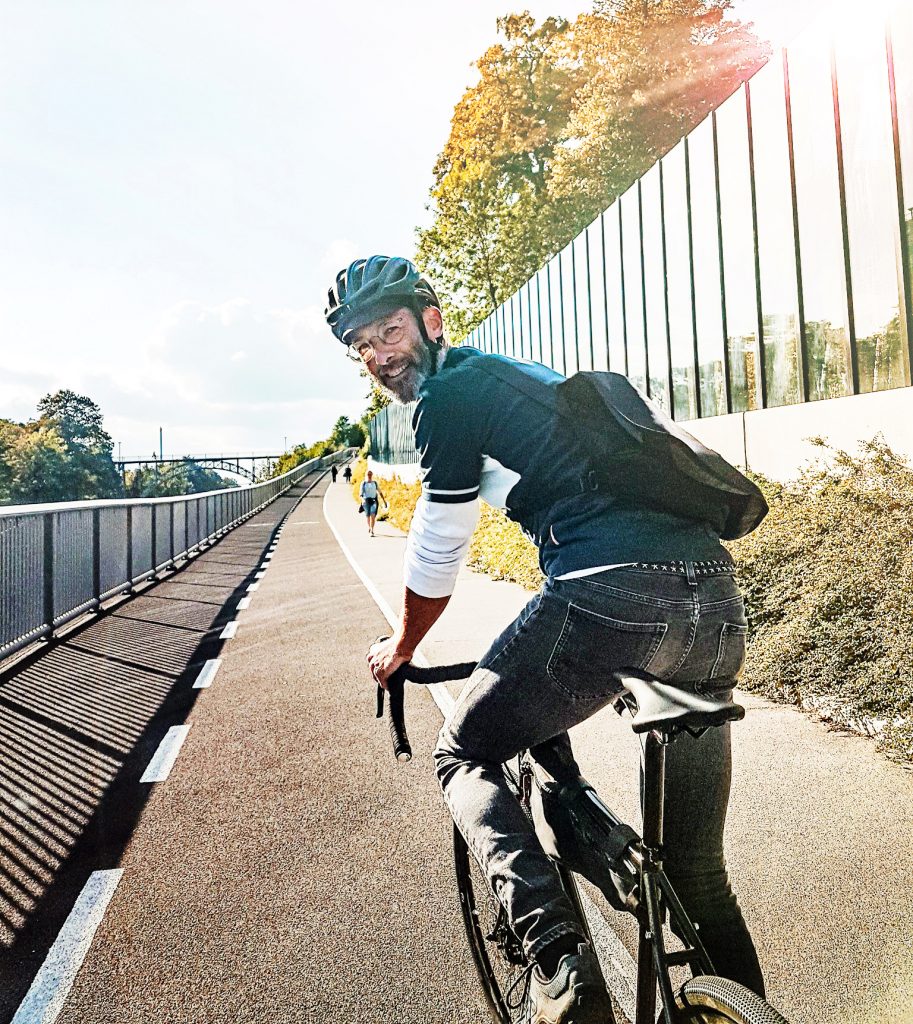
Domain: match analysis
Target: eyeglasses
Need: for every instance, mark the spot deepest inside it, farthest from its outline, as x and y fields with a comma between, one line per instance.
x=393, y=332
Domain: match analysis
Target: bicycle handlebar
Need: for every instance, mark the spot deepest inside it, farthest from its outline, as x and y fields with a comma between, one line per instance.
x=396, y=685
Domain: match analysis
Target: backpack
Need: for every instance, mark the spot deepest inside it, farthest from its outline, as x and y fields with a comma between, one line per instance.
x=636, y=452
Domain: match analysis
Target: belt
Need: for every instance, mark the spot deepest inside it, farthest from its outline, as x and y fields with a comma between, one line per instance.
x=714, y=567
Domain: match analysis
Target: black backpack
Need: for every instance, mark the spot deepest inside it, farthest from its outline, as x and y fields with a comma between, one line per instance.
x=637, y=452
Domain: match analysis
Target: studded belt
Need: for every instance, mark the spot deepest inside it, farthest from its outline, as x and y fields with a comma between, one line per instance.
x=714, y=567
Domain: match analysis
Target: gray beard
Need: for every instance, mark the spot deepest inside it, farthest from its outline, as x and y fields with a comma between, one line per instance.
x=405, y=388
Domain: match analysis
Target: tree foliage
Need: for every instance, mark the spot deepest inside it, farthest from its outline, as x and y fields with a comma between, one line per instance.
x=63, y=455
x=564, y=118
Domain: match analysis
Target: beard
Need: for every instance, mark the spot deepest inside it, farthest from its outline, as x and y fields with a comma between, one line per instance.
x=411, y=370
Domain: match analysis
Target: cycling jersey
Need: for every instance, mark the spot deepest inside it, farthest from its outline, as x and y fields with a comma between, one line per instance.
x=478, y=436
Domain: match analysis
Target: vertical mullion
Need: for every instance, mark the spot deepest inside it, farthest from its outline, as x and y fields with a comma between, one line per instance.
x=551, y=327
x=727, y=371
x=589, y=294
x=762, y=368
x=539, y=314
x=803, y=344
x=573, y=249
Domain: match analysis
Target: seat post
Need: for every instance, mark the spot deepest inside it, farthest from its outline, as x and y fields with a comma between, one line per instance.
x=654, y=789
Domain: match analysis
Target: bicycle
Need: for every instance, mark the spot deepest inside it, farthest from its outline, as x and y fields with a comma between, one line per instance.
x=584, y=836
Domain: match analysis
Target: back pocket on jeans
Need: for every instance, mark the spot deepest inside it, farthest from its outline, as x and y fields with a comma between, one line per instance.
x=730, y=656
x=591, y=647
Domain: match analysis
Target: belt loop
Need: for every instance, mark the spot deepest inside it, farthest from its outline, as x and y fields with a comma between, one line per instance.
x=689, y=572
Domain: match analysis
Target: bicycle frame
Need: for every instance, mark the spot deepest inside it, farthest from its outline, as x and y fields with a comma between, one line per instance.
x=654, y=896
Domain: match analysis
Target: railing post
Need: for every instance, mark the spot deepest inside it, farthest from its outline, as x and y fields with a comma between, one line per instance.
x=130, y=573
x=96, y=557
x=154, y=542
x=49, y=572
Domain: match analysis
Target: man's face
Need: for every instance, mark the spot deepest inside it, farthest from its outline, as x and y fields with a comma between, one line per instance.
x=395, y=354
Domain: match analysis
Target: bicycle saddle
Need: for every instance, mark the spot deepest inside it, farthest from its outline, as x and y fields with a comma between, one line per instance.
x=669, y=709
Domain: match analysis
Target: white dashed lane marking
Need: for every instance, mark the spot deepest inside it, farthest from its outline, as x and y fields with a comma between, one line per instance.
x=230, y=630
x=207, y=673
x=163, y=761
x=44, y=1000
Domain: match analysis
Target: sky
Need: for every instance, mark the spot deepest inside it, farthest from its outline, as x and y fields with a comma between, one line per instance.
x=180, y=182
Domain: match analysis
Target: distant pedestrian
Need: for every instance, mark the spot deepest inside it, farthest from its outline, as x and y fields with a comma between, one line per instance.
x=347, y=474
x=334, y=472
x=370, y=493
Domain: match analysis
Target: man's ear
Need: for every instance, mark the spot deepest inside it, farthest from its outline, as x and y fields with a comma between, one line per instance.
x=434, y=322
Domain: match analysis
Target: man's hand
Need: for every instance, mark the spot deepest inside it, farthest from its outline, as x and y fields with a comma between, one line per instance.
x=383, y=660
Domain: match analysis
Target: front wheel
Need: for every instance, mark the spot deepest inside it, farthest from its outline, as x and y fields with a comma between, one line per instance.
x=711, y=1000
x=496, y=951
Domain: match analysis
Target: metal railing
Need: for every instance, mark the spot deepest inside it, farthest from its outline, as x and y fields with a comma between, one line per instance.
x=60, y=560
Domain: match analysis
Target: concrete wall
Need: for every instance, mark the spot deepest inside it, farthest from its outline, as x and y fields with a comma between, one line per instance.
x=775, y=441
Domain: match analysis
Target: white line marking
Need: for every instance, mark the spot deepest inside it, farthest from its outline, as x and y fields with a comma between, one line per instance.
x=618, y=966
x=163, y=761
x=207, y=673
x=230, y=629
x=253, y=587
x=48, y=993
x=439, y=693
x=260, y=575
x=243, y=603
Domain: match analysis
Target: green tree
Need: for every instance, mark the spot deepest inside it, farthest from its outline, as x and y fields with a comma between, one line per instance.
x=564, y=118
x=90, y=470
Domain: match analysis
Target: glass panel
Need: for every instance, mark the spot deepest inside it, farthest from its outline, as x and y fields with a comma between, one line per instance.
x=902, y=44
x=556, y=313
x=633, y=287
x=655, y=286
x=535, y=339
x=581, y=283
x=776, y=242
x=618, y=360
x=568, y=298
x=597, y=296
x=505, y=337
x=827, y=330
x=738, y=253
x=513, y=323
x=871, y=207
x=678, y=278
x=705, y=246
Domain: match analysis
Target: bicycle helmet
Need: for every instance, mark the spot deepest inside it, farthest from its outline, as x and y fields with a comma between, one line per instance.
x=370, y=287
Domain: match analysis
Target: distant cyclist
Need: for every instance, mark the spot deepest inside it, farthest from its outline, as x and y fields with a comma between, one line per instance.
x=370, y=494
x=626, y=586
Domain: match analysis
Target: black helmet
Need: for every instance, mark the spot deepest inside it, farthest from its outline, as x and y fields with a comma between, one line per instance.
x=367, y=289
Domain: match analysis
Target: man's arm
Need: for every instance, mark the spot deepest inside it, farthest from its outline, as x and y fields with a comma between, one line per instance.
x=418, y=615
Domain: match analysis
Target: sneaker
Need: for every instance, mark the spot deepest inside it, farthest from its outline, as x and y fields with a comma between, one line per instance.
x=576, y=994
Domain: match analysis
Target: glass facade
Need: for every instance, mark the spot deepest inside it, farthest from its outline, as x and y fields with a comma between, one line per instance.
x=766, y=259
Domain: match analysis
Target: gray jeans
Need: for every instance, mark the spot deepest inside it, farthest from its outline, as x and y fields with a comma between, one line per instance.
x=550, y=670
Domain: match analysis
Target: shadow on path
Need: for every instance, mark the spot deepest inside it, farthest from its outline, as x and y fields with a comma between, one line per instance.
x=80, y=721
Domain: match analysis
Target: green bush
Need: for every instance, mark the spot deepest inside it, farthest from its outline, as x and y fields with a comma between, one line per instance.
x=828, y=580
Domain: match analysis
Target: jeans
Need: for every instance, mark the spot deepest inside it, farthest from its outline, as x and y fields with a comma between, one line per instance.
x=550, y=670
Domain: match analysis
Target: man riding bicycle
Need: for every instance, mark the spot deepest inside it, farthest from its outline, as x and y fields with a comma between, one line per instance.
x=627, y=586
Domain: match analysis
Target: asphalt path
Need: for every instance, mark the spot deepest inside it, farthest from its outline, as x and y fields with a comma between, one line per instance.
x=818, y=832
x=288, y=869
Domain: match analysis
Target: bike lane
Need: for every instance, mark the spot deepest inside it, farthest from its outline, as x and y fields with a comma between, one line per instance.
x=288, y=869
x=817, y=834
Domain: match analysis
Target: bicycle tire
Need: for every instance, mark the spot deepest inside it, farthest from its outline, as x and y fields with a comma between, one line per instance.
x=496, y=952
x=712, y=1000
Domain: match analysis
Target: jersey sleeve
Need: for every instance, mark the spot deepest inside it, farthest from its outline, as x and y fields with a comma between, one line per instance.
x=446, y=436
